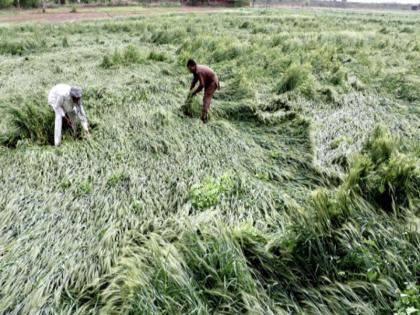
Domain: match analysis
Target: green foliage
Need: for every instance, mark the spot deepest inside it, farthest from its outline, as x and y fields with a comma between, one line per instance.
x=192, y=107
x=383, y=175
x=226, y=50
x=65, y=183
x=220, y=271
x=208, y=192
x=130, y=55
x=169, y=36
x=5, y=3
x=65, y=42
x=403, y=86
x=20, y=47
x=317, y=212
x=408, y=301
x=336, y=142
x=157, y=56
x=296, y=76
x=137, y=205
x=239, y=111
x=30, y=3
x=202, y=271
x=241, y=3
x=338, y=77
x=238, y=88
x=32, y=120
x=85, y=187
x=118, y=178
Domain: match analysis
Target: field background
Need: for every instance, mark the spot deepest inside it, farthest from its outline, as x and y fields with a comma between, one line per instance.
x=64, y=13
x=290, y=200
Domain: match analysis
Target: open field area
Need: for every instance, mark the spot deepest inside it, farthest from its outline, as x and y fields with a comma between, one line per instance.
x=300, y=195
x=64, y=14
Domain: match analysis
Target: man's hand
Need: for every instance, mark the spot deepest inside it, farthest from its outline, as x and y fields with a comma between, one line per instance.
x=68, y=121
x=193, y=93
x=86, y=129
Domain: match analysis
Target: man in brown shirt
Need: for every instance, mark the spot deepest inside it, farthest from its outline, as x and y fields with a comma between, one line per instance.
x=208, y=80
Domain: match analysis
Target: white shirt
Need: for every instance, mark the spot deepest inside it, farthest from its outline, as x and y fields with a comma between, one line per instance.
x=60, y=100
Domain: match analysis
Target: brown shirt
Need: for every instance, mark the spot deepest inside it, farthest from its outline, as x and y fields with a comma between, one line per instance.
x=205, y=76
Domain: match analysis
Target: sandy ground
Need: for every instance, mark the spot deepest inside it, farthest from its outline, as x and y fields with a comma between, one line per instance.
x=64, y=15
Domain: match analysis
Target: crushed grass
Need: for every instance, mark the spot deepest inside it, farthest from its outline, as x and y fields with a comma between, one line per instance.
x=289, y=201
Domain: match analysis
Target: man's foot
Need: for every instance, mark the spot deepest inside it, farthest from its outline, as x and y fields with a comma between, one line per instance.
x=204, y=118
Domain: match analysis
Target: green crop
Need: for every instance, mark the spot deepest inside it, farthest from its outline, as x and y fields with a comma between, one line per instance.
x=207, y=193
x=299, y=196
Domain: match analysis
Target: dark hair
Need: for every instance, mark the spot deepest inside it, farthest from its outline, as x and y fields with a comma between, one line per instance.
x=191, y=63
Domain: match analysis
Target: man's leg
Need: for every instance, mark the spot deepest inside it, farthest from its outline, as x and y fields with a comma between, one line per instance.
x=57, y=128
x=208, y=94
x=206, y=106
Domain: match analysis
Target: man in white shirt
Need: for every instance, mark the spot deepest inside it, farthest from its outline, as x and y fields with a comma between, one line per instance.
x=66, y=101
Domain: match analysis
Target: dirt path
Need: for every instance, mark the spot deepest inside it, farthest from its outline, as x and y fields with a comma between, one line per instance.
x=64, y=15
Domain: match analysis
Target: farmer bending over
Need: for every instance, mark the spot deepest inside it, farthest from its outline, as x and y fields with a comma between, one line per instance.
x=208, y=80
x=66, y=102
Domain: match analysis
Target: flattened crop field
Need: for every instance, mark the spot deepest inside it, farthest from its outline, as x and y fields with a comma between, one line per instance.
x=300, y=196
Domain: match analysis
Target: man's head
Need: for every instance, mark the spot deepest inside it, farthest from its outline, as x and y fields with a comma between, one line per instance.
x=76, y=94
x=192, y=65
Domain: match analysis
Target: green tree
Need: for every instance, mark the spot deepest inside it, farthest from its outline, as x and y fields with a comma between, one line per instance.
x=5, y=3
x=25, y=3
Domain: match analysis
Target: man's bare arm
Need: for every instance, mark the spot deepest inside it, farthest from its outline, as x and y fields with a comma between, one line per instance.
x=200, y=87
x=194, y=82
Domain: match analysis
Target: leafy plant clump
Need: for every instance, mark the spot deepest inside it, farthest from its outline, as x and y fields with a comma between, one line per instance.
x=157, y=56
x=117, y=178
x=192, y=107
x=237, y=89
x=85, y=187
x=297, y=77
x=383, y=175
x=130, y=55
x=32, y=120
x=21, y=47
x=408, y=300
x=65, y=42
x=208, y=192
